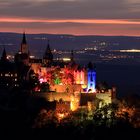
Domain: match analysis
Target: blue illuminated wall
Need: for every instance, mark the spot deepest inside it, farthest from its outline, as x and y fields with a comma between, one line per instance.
x=91, y=81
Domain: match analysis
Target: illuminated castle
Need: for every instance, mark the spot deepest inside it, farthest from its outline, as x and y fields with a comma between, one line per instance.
x=66, y=80
x=62, y=77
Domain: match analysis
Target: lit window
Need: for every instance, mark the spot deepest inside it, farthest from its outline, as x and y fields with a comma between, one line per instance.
x=7, y=75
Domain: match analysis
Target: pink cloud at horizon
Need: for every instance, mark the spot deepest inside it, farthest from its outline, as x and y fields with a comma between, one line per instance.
x=72, y=26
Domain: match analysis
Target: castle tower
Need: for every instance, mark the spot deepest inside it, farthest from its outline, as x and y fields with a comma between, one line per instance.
x=24, y=46
x=91, y=78
x=48, y=56
x=23, y=55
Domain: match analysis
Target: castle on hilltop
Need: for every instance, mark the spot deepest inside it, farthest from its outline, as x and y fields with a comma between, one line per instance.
x=67, y=79
x=57, y=74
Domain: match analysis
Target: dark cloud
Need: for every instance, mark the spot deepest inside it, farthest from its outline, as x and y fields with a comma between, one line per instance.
x=71, y=9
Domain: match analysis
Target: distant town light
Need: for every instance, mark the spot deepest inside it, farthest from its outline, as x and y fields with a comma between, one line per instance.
x=132, y=50
x=31, y=56
x=66, y=59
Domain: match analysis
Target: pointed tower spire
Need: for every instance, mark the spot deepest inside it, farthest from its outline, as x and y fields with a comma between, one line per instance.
x=24, y=39
x=24, y=46
x=48, y=56
x=4, y=55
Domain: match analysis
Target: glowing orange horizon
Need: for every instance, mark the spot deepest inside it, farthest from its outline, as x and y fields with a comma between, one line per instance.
x=85, y=21
x=109, y=27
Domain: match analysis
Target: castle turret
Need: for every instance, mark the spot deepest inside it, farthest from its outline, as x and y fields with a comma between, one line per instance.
x=48, y=56
x=91, y=78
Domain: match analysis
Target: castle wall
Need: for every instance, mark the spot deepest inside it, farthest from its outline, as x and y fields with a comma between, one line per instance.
x=66, y=88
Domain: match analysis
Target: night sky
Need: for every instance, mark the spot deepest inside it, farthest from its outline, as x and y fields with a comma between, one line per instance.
x=78, y=17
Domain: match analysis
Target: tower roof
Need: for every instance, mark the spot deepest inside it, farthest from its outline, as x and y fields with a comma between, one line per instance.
x=24, y=39
x=48, y=54
x=4, y=55
x=90, y=66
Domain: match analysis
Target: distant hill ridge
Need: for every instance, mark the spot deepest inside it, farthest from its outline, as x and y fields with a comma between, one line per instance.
x=38, y=42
